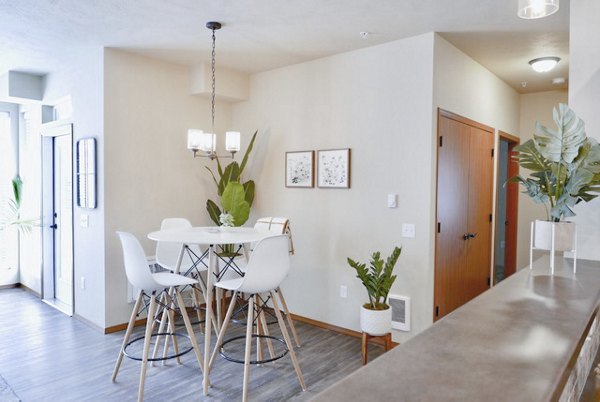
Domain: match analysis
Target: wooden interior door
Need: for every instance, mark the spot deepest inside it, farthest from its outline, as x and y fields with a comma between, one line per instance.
x=464, y=207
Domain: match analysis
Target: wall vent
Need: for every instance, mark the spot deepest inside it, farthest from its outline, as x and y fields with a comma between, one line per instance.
x=400, y=306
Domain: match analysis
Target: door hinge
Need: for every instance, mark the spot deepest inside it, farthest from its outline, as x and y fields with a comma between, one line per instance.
x=439, y=227
x=492, y=152
x=488, y=281
x=437, y=311
x=441, y=141
x=491, y=217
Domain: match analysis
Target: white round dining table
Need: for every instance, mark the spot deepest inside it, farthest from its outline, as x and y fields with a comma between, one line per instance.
x=209, y=237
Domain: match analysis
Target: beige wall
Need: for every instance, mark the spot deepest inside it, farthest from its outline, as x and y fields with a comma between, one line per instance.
x=584, y=98
x=376, y=101
x=149, y=173
x=81, y=77
x=534, y=107
x=465, y=87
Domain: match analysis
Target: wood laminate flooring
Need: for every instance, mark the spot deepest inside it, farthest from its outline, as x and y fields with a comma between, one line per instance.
x=48, y=356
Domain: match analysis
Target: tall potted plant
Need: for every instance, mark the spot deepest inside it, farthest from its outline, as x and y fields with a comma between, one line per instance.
x=565, y=170
x=376, y=315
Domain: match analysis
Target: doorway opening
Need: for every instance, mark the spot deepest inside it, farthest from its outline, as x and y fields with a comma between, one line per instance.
x=507, y=205
x=57, y=207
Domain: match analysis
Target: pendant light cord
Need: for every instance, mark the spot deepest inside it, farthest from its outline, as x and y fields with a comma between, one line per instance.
x=214, y=38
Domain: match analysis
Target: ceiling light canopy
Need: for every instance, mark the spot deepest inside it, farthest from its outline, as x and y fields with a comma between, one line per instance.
x=532, y=9
x=544, y=64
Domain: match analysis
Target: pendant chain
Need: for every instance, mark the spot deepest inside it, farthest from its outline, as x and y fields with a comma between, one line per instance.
x=213, y=81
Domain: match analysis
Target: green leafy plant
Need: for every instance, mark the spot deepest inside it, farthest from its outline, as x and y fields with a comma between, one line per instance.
x=11, y=215
x=235, y=195
x=378, y=278
x=564, y=165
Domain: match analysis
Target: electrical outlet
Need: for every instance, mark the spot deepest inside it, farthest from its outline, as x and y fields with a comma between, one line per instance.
x=83, y=282
x=408, y=230
x=343, y=291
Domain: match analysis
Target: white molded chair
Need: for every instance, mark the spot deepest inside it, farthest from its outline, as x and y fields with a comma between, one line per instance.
x=138, y=273
x=267, y=267
x=280, y=225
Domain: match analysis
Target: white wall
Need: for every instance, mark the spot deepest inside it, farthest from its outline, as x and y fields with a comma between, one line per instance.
x=376, y=101
x=584, y=98
x=534, y=107
x=464, y=87
x=149, y=173
x=81, y=77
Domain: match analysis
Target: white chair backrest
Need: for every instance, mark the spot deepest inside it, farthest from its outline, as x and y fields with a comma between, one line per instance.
x=268, y=266
x=136, y=266
x=167, y=252
x=276, y=225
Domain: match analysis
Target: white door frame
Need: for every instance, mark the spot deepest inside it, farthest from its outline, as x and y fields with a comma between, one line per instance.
x=48, y=132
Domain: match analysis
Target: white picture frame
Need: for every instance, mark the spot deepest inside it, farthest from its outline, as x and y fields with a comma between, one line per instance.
x=333, y=168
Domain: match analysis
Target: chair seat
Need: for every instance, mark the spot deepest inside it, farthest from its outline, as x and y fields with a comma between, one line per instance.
x=230, y=284
x=168, y=279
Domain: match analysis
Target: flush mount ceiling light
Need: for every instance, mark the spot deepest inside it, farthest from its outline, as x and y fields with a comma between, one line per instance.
x=532, y=9
x=544, y=64
x=207, y=142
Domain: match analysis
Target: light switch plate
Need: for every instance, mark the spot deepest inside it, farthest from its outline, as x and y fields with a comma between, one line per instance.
x=392, y=200
x=408, y=230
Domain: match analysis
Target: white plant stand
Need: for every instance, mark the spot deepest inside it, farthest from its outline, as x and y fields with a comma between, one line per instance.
x=552, y=248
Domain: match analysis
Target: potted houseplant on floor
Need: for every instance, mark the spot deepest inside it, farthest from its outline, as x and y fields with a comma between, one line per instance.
x=565, y=170
x=376, y=315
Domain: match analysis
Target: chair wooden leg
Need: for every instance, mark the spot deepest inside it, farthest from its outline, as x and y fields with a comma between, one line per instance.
x=259, y=332
x=147, y=336
x=218, y=297
x=365, y=348
x=130, y=326
x=168, y=310
x=197, y=306
x=161, y=328
x=221, y=334
x=248, y=349
x=172, y=330
x=212, y=315
x=288, y=316
x=288, y=342
x=265, y=327
x=190, y=329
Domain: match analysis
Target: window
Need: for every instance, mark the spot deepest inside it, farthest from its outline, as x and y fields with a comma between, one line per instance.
x=8, y=238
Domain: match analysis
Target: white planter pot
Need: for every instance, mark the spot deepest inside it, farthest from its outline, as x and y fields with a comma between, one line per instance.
x=375, y=322
x=564, y=235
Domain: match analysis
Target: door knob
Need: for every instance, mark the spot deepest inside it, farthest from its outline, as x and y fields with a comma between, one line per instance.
x=55, y=226
x=468, y=236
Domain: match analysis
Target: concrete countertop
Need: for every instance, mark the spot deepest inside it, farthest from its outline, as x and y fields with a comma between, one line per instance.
x=514, y=342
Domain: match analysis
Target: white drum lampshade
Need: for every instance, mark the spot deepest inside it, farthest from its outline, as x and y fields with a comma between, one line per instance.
x=194, y=138
x=232, y=141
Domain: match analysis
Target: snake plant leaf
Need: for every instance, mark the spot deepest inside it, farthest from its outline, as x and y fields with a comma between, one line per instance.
x=529, y=157
x=234, y=202
x=563, y=144
x=248, y=150
x=213, y=211
x=249, y=187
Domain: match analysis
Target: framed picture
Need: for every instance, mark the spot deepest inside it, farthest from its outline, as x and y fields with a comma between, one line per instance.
x=333, y=168
x=299, y=169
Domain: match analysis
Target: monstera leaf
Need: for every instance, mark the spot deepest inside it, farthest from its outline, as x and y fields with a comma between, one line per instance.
x=563, y=144
x=234, y=202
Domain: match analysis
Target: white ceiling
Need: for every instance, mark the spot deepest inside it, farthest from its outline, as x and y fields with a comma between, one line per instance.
x=259, y=35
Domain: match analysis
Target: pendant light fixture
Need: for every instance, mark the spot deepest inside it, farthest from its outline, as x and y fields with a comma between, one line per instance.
x=207, y=142
x=532, y=9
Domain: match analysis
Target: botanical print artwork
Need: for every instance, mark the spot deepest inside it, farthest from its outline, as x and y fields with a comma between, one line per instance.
x=334, y=168
x=299, y=169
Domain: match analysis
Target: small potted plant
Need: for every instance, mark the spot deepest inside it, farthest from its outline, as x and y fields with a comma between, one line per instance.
x=565, y=170
x=376, y=315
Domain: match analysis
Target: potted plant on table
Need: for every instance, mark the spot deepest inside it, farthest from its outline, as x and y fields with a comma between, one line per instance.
x=376, y=315
x=565, y=170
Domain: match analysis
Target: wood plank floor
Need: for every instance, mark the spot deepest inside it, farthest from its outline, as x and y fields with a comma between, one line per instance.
x=45, y=355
